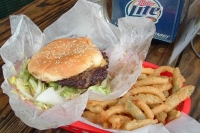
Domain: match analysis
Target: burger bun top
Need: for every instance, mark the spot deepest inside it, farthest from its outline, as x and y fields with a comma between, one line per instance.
x=64, y=58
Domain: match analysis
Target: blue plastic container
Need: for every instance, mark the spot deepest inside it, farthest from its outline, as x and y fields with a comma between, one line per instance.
x=167, y=15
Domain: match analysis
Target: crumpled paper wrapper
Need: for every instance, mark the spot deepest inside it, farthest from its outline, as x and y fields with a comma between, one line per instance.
x=125, y=45
x=183, y=124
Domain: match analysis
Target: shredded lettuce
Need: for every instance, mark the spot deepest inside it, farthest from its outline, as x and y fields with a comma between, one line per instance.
x=33, y=83
x=41, y=87
x=71, y=92
x=54, y=85
x=24, y=88
x=24, y=73
x=104, y=89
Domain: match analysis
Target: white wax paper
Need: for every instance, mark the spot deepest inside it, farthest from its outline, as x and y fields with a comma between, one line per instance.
x=125, y=45
x=183, y=124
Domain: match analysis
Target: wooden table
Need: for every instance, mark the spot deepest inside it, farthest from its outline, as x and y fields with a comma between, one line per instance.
x=45, y=12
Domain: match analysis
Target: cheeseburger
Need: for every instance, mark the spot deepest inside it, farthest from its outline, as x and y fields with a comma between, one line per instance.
x=72, y=62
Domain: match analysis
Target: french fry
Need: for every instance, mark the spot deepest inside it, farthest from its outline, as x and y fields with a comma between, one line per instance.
x=106, y=124
x=159, y=108
x=142, y=77
x=182, y=78
x=177, y=80
x=98, y=106
x=173, y=114
x=161, y=69
x=163, y=87
x=95, y=108
x=152, y=80
x=93, y=117
x=148, y=71
x=134, y=124
x=174, y=99
x=166, y=93
x=146, y=90
x=152, y=99
x=123, y=100
x=151, y=106
x=143, y=106
x=161, y=117
x=146, y=98
x=134, y=110
x=117, y=109
x=118, y=121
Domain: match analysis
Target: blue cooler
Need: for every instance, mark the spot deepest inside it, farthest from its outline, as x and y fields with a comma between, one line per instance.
x=168, y=15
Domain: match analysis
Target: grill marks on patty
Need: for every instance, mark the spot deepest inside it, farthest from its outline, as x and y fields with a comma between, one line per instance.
x=87, y=78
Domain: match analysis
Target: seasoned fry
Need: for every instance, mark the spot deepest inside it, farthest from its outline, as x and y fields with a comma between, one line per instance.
x=163, y=87
x=178, y=97
x=182, y=78
x=161, y=69
x=166, y=93
x=134, y=110
x=93, y=117
x=107, y=124
x=146, y=98
x=151, y=81
x=161, y=117
x=134, y=124
x=146, y=90
x=142, y=77
x=117, y=109
x=143, y=106
x=173, y=114
x=151, y=106
x=98, y=106
x=118, y=121
x=177, y=80
x=123, y=100
x=152, y=99
x=159, y=108
x=95, y=108
x=148, y=71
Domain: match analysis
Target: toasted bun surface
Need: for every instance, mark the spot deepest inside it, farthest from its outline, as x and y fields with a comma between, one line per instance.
x=64, y=58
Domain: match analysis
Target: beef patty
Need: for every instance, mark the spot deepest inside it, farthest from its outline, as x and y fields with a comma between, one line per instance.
x=87, y=78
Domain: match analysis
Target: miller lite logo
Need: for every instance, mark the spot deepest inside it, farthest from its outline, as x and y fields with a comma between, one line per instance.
x=151, y=9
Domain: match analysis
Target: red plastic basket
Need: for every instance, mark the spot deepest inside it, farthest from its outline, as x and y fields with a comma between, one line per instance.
x=79, y=127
